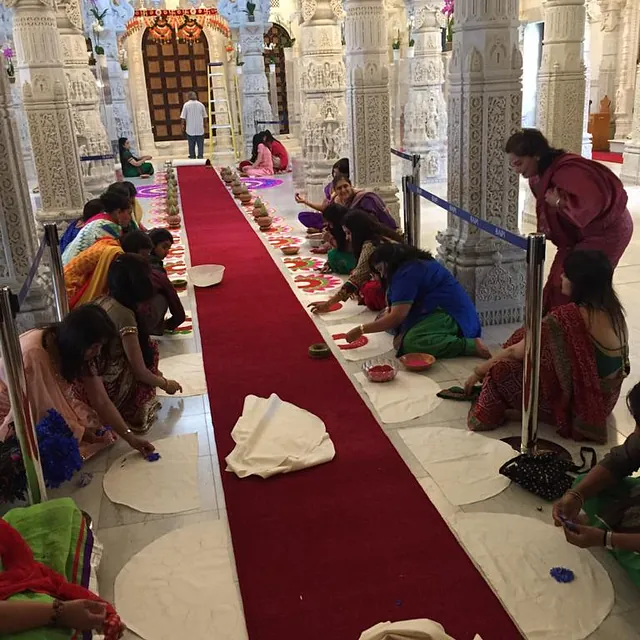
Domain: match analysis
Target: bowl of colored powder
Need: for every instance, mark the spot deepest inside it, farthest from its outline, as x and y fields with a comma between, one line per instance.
x=417, y=361
x=380, y=370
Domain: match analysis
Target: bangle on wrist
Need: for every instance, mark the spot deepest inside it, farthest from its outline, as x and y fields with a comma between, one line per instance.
x=608, y=540
x=577, y=495
x=362, y=331
x=56, y=613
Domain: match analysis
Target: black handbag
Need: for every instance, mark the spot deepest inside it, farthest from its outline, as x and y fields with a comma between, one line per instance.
x=546, y=474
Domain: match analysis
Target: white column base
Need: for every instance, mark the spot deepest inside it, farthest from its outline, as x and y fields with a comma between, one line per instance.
x=630, y=173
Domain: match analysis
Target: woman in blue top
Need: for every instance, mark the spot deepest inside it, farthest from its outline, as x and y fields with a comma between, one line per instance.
x=428, y=310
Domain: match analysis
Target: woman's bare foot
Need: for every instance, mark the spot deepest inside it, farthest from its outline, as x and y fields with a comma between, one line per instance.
x=482, y=351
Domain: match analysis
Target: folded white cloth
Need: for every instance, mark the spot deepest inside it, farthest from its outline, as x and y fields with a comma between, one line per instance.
x=273, y=436
x=408, y=630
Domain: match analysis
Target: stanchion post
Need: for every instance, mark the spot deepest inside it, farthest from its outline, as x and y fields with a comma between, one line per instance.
x=17, y=387
x=415, y=166
x=407, y=202
x=57, y=271
x=533, y=331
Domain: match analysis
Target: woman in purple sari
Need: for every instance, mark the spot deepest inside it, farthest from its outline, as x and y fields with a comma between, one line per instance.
x=364, y=200
x=314, y=219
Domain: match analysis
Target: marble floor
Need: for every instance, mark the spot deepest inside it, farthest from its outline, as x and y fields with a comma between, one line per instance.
x=124, y=532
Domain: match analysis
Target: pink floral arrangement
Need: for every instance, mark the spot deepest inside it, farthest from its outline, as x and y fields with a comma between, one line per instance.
x=447, y=10
x=7, y=52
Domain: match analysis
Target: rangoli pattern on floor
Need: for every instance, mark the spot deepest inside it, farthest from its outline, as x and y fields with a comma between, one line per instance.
x=303, y=264
x=261, y=183
x=317, y=283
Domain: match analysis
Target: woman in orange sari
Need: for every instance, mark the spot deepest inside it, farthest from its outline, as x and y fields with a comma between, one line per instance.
x=583, y=359
x=86, y=275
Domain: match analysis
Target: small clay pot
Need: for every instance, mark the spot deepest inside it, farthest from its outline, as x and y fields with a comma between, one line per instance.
x=264, y=222
x=236, y=190
x=174, y=221
x=290, y=250
x=319, y=351
x=244, y=198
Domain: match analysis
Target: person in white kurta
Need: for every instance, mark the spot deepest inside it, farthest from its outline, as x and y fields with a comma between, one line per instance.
x=193, y=116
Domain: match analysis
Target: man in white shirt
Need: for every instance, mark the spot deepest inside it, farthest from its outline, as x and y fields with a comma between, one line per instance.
x=193, y=116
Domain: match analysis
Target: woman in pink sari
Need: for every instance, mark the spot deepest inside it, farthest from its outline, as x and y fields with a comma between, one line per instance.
x=580, y=204
x=263, y=163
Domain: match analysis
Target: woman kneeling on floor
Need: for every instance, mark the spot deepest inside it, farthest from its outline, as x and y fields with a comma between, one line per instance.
x=429, y=311
x=131, y=373
x=63, y=365
x=583, y=360
x=364, y=234
x=611, y=501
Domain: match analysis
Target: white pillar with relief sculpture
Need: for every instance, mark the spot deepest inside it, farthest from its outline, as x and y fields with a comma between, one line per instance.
x=91, y=135
x=322, y=88
x=630, y=172
x=49, y=113
x=425, y=113
x=626, y=78
x=368, y=111
x=561, y=82
x=611, y=11
x=484, y=107
x=18, y=240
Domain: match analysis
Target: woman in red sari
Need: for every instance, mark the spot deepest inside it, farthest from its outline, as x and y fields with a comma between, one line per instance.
x=583, y=361
x=580, y=204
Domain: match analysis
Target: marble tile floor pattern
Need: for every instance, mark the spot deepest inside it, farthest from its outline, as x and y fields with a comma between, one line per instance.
x=124, y=532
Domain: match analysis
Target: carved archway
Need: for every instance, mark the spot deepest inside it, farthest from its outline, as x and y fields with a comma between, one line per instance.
x=278, y=36
x=172, y=69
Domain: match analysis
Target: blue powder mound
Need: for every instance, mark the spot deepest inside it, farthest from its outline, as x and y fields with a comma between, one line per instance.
x=152, y=457
x=560, y=574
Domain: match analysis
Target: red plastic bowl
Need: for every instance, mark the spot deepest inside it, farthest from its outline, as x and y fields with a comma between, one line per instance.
x=417, y=361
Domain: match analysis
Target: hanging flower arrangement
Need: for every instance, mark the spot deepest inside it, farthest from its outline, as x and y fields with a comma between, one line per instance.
x=98, y=23
x=162, y=23
x=7, y=54
x=447, y=10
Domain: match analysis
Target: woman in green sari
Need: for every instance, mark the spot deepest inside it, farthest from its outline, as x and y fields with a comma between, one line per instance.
x=133, y=167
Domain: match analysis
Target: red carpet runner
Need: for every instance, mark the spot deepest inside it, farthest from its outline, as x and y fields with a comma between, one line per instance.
x=325, y=553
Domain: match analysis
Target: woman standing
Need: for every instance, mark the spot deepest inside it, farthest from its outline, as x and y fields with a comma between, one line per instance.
x=61, y=360
x=131, y=373
x=133, y=167
x=429, y=311
x=364, y=234
x=580, y=204
x=117, y=214
x=583, y=358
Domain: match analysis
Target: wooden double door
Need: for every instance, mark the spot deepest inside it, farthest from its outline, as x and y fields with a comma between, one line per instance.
x=172, y=70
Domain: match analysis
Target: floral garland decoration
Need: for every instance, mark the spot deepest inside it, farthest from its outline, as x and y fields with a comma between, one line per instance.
x=182, y=22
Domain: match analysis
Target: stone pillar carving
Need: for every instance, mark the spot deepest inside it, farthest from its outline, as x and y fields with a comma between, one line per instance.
x=485, y=105
x=586, y=53
x=89, y=130
x=611, y=10
x=368, y=119
x=425, y=113
x=630, y=172
x=18, y=243
x=255, y=87
x=138, y=92
x=293, y=57
x=627, y=69
x=323, y=85
x=49, y=114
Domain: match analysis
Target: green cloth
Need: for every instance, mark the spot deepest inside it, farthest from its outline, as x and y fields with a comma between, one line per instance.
x=629, y=560
x=341, y=262
x=439, y=335
x=51, y=530
x=129, y=171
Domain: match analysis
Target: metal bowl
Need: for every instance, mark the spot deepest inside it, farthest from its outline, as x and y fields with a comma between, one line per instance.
x=380, y=370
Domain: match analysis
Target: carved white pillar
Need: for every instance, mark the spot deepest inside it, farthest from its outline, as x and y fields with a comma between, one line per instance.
x=425, y=112
x=586, y=52
x=49, y=113
x=83, y=93
x=293, y=56
x=18, y=242
x=626, y=80
x=368, y=120
x=485, y=105
x=138, y=92
x=611, y=11
x=323, y=86
x=561, y=78
x=630, y=172
x=255, y=87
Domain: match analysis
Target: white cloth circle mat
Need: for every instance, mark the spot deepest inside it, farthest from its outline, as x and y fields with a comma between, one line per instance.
x=515, y=555
x=377, y=343
x=349, y=309
x=188, y=370
x=463, y=464
x=421, y=629
x=181, y=586
x=168, y=485
x=273, y=437
x=406, y=397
